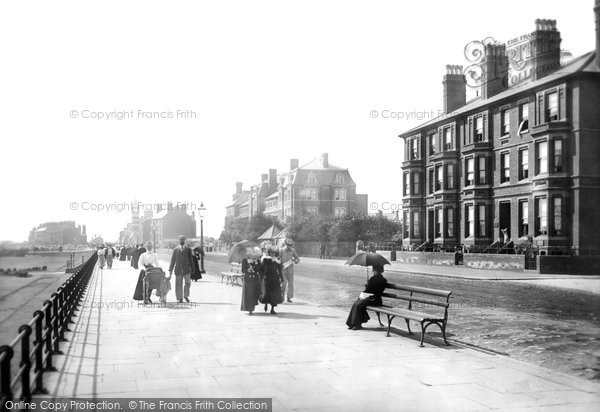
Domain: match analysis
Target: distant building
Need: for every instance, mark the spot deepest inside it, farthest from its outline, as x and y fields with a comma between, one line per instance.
x=521, y=160
x=167, y=225
x=318, y=188
x=58, y=234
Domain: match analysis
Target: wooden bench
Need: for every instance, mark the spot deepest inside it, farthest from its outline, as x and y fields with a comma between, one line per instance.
x=433, y=298
x=234, y=275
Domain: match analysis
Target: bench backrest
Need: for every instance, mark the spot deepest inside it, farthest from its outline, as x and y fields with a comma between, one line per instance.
x=236, y=267
x=419, y=295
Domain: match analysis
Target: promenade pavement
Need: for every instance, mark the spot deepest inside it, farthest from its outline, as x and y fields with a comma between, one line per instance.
x=304, y=358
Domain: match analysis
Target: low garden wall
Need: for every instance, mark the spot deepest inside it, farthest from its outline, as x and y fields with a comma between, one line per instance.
x=569, y=265
x=424, y=258
x=512, y=263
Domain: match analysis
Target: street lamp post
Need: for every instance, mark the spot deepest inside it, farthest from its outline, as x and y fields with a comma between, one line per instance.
x=201, y=216
x=154, y=238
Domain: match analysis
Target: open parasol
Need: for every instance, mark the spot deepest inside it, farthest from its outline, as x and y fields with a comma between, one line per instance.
x=367, y=259
x=238, y=251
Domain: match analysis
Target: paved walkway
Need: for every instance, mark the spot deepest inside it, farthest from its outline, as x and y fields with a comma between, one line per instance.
x=304, y=358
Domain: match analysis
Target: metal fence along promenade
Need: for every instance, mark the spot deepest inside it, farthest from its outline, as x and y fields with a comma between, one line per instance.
x=25, y=374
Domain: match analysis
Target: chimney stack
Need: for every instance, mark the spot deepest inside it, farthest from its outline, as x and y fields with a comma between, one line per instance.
x=455, y=90
x=273, y=179
x=325, y=160
x=495, y=70
x=597, y=12
x=238, y=188
x=545, y=48
x=293, y=164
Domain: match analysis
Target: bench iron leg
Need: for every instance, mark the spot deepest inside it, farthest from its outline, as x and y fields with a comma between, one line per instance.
x=443, y=327
x=408, y=326
x=390, y=318
x=423, y=328
x=379, y=319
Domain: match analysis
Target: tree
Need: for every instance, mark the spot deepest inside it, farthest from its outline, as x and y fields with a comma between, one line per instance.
x=236, y=230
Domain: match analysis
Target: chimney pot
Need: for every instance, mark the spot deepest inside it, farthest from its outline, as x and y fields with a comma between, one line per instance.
x=325, y=160
x=293, y=164
x=455, y=91
x=272, y=179
x=495, y=70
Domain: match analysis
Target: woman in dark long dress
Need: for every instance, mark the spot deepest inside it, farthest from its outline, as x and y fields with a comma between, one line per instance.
x=135, y=255
x=251, y=287
x=197, y=253
x=271, y=280
x=123, y=254
x=371, y=296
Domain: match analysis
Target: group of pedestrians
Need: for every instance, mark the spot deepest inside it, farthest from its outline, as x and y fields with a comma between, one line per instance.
x=106, y=255
x=184, y=263
x=268, y=276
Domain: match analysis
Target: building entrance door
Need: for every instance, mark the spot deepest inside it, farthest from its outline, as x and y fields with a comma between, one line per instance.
x=430, y=225
x=504, y=221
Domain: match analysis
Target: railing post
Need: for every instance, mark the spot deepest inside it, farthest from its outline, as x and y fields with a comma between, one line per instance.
x=25, y=363
x=5, y=376
x=39, y=352
x=48, y=336
x=55, y=326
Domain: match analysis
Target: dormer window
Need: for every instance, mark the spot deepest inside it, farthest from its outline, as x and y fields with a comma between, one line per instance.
x=339, y=179
x=312, y=179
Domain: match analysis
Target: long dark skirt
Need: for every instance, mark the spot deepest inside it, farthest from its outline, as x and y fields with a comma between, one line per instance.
x=122, y=257
x=271, y=290
x=250, y=292
x=358, y=313
x=139, y=287
x=197, y=273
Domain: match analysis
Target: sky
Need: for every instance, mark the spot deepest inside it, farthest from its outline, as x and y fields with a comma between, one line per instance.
x=210, y=93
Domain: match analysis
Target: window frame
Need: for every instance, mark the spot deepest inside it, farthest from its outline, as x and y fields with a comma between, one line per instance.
x=523, y=165
x=504, y=167
x=469, y=161
x=505, y=122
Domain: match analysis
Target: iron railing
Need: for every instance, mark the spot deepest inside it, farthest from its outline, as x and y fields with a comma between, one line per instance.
x=48, y=328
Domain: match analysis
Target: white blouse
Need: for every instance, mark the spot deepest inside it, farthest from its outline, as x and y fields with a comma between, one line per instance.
x=148, y=258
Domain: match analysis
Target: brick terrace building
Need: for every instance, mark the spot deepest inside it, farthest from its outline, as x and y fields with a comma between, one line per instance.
x=317, y=187
x=524, y=156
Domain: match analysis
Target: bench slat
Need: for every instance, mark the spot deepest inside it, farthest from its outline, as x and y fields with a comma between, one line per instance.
x=416, y=299
x=416, y=289
x=407, y=314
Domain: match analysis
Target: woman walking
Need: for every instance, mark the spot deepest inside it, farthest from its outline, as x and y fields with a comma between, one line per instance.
x=271, y=279
x=251, y=287
x=101, y=257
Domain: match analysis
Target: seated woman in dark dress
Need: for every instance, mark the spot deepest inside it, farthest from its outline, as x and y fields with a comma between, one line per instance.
x=372, y=297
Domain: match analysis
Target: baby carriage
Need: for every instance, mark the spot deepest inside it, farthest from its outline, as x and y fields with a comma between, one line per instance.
x=155, y=278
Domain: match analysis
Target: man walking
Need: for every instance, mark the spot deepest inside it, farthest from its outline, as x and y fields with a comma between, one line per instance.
x=110, y=255
x=183, y=262
x=289, y=258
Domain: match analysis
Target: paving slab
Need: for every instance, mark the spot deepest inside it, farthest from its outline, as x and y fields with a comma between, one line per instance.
x=304, y=358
